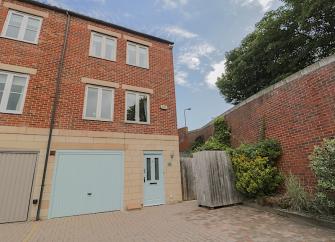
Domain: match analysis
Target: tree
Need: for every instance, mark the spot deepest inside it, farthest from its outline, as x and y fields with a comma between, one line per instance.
x=285, y=41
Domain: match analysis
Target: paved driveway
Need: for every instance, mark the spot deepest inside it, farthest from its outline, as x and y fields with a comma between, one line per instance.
x=179, y=222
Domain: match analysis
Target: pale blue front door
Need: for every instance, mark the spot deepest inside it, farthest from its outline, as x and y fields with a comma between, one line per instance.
x=87, y=182
x=153, y=179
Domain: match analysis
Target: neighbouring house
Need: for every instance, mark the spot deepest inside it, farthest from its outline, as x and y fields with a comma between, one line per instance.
x=87, y=115
x=298, y=111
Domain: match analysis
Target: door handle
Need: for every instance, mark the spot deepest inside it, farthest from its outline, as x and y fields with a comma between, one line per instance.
x=153, y=183
x=89, y=194
x=144, y=179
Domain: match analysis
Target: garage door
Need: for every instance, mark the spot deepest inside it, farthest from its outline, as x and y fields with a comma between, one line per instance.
x=16, y=179
x=86, y=182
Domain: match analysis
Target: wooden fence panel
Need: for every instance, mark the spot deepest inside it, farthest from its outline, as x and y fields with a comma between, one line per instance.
x=215, y=179
x=188, y=179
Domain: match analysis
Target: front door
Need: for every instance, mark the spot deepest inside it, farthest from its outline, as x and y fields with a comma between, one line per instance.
x=153, y=180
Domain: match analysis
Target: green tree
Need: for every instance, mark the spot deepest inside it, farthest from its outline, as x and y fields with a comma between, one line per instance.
x=285, y=41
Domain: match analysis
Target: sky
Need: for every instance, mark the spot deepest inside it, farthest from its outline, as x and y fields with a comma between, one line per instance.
x=202, y=30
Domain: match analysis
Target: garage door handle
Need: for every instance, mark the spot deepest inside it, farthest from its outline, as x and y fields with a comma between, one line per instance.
x=153, y=183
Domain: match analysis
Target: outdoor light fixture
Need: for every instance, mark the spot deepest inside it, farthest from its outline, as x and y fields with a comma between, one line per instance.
x=187, y=109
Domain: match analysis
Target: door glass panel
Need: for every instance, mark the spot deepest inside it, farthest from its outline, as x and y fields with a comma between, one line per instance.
x=3, y=79
x=156, y=169
x=148, y=169
x=16, y=93
x=143, y=108
x=14, y=26
x=110, y=49
x=92, y=102
x=131, y=106
x=131, y=54
x=106, y=104
x=97, y=45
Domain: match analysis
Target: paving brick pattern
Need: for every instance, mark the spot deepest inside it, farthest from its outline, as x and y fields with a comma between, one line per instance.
x=179, y=222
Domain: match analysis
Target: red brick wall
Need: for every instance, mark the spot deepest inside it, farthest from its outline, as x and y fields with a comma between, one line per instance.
x=299, y=115
x=45, y=56
x=186, y=139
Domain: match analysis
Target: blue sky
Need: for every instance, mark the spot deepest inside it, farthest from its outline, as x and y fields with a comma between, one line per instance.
x=202, y=31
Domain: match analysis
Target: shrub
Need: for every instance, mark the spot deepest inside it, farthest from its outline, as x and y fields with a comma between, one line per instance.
x=297, y=197
x=323, y=165
x=268, y=148
x=199, y=141
x=211, y=144
x=255, y=176
x=222, y=131
x=220, y=139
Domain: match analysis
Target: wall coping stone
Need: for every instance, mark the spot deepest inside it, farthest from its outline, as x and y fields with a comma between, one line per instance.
x=309, y=69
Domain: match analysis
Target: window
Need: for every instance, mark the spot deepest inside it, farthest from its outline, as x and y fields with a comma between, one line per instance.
x=103, y=46
x=22, y=26
x=13, y=88
x=137, y=108
x=137, y=55
x=99, y=103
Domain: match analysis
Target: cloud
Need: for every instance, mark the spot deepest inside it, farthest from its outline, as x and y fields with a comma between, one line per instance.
x=173, y=3
x=179, y=32
x=191, y=56
x=181, y=78
x=217, y=70
x=265, y=4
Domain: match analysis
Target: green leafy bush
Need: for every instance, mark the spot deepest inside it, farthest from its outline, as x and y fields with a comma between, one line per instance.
x=222, y=131
x=268, y=148
x=220, y=139
x=297, y=197
x=255, y=176
x=254, y=165
x=211, y=144
x=199, y=141
x=323, y=165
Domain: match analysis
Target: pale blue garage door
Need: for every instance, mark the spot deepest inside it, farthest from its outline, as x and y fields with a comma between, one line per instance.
x=86, y=182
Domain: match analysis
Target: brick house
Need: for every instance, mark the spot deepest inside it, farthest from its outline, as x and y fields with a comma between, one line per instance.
x=87, y=115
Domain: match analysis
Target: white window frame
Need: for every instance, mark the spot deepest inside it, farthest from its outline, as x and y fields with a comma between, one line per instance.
x=98, y=118
x=137, y=108
x=23, y=27
x=6, y=92
x=103, y=48
x=138, y=46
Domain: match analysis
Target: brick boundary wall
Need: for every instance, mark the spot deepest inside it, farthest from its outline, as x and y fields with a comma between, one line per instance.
x=299, y=112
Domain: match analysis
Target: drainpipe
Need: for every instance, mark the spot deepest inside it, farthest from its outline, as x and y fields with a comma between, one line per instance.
x=54, y=109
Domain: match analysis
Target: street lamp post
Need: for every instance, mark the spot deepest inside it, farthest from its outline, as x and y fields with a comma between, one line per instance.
x=187, y=109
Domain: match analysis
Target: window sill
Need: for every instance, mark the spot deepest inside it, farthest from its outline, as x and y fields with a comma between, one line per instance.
x=101, y=120
x=135, y=122
x=24, y=41
x=100, y=58
x=11, y=112
x=145, y=68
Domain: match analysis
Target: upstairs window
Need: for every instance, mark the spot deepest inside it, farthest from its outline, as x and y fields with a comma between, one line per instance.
x=22, y=27
x=137, y=108
x=137, y=55
x=13, y=88
x=103, y=46
x=99, y=103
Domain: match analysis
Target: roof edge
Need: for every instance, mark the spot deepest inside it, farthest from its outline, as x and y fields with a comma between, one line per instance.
x=99, y=21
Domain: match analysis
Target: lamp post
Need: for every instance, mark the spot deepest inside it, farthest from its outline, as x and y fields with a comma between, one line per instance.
x=187, y=109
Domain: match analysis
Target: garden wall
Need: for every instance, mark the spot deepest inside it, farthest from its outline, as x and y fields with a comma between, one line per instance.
x=299, y=112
